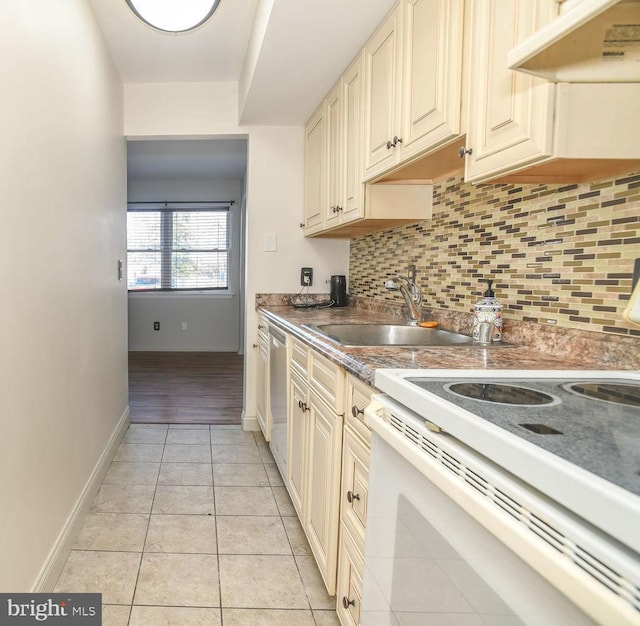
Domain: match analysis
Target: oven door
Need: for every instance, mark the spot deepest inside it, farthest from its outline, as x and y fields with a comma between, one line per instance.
x=430, y=562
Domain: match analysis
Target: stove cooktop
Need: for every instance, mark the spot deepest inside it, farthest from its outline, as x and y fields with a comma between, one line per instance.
x=572, y=435
x=594, y=424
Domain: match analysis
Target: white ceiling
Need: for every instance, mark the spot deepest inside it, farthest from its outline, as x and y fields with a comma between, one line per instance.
x=303, y=47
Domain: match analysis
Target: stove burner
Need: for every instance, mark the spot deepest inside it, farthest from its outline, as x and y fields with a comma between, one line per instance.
x=501, y=393
x=617, y=393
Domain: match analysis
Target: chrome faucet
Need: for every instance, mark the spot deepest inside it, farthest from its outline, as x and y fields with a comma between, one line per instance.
x=410, y=292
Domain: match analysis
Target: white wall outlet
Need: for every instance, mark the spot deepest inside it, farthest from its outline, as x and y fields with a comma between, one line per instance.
x=184, y=326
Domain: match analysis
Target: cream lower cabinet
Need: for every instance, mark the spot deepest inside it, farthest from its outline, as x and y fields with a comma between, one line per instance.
x=323, y=482
x=262, y=378
x=297, y=429
x=328, y=470
x=315, y=424
x=353, y=504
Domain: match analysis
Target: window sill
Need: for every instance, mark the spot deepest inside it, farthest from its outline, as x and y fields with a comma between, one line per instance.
x=181, y=294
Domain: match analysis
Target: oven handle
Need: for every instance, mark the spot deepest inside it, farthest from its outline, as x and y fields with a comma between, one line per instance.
x=595, y=599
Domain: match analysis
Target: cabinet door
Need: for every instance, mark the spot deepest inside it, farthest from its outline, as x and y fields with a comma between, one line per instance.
x=322, y=506
x=432, y=74
x=314, y=172
x=262, y=381
x=510, y=113
x=298, y=416
x=349, y=584
x=355, y=486
x=382, y=74
x=353, y=117
x=335, y=141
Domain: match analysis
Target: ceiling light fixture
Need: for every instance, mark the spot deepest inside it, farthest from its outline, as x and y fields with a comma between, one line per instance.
x=174, y=16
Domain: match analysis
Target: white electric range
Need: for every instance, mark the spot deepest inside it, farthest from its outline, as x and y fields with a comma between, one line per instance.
x=547, y=461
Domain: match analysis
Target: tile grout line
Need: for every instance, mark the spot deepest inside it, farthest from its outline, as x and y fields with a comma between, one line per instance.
x=215, y=515
x=135, y=586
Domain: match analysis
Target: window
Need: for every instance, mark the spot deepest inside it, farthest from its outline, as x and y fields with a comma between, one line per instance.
x=178, y=246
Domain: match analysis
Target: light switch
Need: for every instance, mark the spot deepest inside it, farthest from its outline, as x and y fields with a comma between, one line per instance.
x=270, y=242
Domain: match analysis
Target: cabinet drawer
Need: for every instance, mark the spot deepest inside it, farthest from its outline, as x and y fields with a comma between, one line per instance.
x=358, y=397
x=327, y=380
x=263, y=347
x=355, y=486
x=349, y=587
x=299, y=357
x=263, y=328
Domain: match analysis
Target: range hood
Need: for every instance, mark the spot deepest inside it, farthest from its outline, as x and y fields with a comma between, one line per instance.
x=591, y=41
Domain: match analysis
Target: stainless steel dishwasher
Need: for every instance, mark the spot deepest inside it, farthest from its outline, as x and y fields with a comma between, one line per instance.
x=278, y=397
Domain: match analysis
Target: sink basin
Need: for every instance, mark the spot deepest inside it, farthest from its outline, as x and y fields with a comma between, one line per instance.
x=390, y=335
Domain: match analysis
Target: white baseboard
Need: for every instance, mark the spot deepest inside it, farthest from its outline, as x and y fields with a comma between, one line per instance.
x=57, y=558
x=249, y=422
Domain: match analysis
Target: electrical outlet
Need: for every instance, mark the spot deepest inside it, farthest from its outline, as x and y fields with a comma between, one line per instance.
x=184, y=326
x=156, y=325
x=306, y=276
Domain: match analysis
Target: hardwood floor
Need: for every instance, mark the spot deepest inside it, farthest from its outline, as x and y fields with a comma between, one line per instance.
x=185, y=387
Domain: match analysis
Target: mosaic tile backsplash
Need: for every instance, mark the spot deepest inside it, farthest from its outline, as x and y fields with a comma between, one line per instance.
x=559, y=255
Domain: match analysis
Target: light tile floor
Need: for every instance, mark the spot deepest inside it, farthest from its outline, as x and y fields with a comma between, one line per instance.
x=193, y=526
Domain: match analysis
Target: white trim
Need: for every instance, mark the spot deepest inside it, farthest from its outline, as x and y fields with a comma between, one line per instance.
x=249, y=422
x=185, y=349
x=174, y=293
x=55, y=561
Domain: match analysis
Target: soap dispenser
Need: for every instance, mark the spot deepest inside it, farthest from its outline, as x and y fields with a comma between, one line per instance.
x=487, y=310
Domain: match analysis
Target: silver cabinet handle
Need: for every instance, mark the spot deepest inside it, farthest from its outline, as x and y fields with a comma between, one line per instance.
x=352, y=496
x=346, y=603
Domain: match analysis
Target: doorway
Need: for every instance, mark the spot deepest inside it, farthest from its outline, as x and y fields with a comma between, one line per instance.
x=186, y=345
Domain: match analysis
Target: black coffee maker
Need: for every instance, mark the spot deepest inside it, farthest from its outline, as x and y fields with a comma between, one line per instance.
x=338, y=292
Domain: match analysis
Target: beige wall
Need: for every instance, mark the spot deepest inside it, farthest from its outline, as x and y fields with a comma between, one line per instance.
x=560, y=254
x=213, y=320
x=273, y=194
x=63, y=379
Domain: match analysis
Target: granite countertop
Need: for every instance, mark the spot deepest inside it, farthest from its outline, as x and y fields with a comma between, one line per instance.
x=363, y=361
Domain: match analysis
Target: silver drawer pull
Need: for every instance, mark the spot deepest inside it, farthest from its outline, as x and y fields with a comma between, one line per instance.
x=346, y=603
x=352, y=496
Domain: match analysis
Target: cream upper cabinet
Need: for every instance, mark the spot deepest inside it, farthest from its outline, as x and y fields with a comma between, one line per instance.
x=334, y=187
x=432, y=74
x=352, y=206
x=590, y=41
x=413, y=83
x=337, y=202
x=314, y=172
x=334, y=169
x=383, y=71
x=343, y=111
x=510, y=114
x=524, y=129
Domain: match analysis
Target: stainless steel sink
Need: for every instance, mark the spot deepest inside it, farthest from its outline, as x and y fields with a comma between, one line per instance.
x=390, y=335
